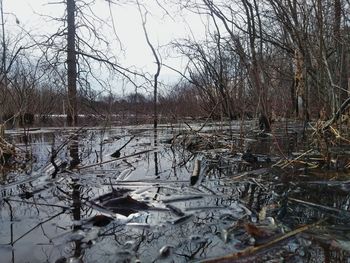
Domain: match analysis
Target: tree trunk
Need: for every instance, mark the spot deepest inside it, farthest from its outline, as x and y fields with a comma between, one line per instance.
x=256, y=58
x=71, y=65
x=3, y=66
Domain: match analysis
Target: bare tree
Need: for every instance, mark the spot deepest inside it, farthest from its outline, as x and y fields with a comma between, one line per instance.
x=72, y=119
x=158, y=63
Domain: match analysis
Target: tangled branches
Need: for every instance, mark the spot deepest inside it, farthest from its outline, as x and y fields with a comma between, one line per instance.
x=7, y=150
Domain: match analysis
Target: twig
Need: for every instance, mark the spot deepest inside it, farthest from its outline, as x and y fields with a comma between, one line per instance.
x=121, y=148
x=36, y=203
x=41, y=223
x=294, y=160
x=114, y=160
x=337, y=134
x=336, y=210
x=116, y=154
x=55, y=152
x=207, y=119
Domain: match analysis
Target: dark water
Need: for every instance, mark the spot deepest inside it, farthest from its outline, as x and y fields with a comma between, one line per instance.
x=79, y=216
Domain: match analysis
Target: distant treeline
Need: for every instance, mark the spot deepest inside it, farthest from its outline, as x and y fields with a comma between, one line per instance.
x=268, y=58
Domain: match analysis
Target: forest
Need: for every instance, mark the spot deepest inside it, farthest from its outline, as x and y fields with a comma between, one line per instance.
x=175, y=131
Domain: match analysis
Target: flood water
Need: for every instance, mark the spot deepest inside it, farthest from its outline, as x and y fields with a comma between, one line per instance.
x=140, y=205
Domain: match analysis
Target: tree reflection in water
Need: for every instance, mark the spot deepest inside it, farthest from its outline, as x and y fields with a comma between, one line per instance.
x=181, y=223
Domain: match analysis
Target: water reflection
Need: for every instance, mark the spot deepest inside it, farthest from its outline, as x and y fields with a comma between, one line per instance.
x=155, y=155
x=74, y=151
x=182, y=222
x=155, y=142
x=11, y=231
x=76, y=212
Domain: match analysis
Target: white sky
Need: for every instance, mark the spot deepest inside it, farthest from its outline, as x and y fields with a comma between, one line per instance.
x=162, y=29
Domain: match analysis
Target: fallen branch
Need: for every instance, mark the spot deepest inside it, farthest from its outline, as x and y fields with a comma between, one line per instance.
x=328, y=208
x=337, y=134
x=114, y=160
x=116, y=154
x=292, y=161
x=252, y=249
x=33, y=228
x=336, y=116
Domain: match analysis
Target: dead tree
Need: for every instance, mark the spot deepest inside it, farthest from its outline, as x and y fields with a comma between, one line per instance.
x=158, y=63
x=87, y=53
x=72, y=116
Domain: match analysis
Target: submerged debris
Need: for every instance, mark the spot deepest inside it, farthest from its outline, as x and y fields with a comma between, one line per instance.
x=246, y=196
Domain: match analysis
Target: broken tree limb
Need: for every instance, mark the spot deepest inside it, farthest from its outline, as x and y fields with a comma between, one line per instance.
x=116, y=154
x=254, y=249
x=322, y=207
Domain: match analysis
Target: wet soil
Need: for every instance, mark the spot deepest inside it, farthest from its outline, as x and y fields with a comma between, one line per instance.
x=143, y=206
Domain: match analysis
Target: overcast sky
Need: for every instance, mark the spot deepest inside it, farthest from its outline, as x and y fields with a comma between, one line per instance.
x=162, y=29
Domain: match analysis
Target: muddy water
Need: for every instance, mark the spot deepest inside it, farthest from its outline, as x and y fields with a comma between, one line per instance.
x=142, y=207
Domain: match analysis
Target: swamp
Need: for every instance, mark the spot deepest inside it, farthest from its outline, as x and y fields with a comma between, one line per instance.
x=174, y=131
x=219, y=192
